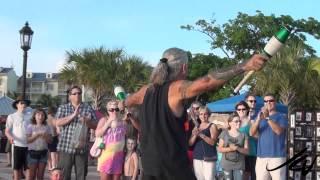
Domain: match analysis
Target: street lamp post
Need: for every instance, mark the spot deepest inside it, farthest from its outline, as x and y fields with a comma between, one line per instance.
x=26, y=34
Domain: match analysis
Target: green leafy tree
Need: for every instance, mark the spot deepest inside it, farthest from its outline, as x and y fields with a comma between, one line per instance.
x=100, y=69
x=12, y=94
x=46, y=100
x=241, y=36
x=293, y=76
x=134, y=73
x=95, y=68
x=289, y=73
x=200, y=65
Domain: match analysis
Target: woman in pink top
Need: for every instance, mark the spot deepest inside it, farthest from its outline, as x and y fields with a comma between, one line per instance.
x=113, y=130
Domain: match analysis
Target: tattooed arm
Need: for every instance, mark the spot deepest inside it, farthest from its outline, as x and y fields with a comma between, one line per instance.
x=182, y=89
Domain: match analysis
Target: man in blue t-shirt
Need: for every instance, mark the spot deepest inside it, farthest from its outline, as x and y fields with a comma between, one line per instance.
x=270, y=128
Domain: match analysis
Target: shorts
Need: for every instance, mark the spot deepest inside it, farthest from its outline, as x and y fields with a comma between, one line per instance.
x=19, y=158
x=53, y=145
x=41, y=159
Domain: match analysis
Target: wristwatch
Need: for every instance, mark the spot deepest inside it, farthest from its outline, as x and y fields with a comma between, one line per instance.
x=268, y=118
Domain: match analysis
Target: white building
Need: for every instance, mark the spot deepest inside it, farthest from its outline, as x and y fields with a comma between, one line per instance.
x=8, y=81
x=43, y=83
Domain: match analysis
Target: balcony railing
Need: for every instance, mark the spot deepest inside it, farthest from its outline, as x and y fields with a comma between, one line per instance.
x=33, y=89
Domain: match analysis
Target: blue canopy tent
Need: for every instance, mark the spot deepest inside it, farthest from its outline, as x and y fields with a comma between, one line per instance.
x=228, y=104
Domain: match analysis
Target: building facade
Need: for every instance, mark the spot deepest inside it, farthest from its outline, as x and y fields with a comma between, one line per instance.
x=38, y=84
x=8, y=81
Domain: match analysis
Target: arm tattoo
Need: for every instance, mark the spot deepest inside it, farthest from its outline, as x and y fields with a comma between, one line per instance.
x=183, y=89
x=227, y=73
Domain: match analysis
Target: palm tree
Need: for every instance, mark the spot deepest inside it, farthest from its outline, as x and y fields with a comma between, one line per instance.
x=46, y=100
x=134, y=73
x=13, y=94
x=292, y=75
x=100, y=69
x=94, y=68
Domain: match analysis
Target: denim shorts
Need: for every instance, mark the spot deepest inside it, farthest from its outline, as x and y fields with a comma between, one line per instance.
x=31, y=160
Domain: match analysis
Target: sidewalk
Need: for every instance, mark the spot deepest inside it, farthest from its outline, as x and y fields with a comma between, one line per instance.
x=6, y=172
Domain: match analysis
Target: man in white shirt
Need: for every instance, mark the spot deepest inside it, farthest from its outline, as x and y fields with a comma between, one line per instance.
x=16, y=133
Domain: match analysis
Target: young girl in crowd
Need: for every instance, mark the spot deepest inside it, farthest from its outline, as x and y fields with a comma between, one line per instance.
x=38, y=137
x=234, y=146
x=204, y=153
x=113, y=130
x=131, y=162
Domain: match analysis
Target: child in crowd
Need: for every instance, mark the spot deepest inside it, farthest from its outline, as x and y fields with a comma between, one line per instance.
x=131, y=162
x=38, y=137
x=56, y=174
x=234, y=146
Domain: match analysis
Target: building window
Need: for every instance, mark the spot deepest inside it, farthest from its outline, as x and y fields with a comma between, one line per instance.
x=49, y=87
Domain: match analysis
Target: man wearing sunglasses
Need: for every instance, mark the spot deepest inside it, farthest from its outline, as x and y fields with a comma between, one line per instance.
x=270, y=127
x=163, y=111
x=70, y=117
x=252, y=102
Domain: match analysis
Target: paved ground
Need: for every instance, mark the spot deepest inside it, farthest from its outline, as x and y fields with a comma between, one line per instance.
x=6, y=172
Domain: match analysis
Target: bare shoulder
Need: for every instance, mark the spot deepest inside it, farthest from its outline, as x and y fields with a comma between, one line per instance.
x=137, y=97
x=178, y=89
x=184, y=89
x=103, y=119
x=135, y=155
x=177, y=93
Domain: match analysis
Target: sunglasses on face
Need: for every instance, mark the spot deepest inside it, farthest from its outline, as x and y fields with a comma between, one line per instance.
x=252, y=101
x=268, y=101
x=196, y=108
x=237, y=121
x=22, y=102
x=76, y=93
x=113, y=109
x=241, y=109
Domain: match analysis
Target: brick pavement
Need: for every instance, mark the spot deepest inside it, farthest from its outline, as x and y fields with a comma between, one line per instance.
x=6, y=172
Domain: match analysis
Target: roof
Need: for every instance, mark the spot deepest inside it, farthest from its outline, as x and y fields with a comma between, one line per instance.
x=43, y=76
x=5, y=70
x=228, y=104
x=6, y=105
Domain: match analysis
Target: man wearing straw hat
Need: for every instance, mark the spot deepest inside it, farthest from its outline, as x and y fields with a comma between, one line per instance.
x=15, y=131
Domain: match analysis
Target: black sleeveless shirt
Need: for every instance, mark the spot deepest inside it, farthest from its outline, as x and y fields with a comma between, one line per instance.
x=163, y=139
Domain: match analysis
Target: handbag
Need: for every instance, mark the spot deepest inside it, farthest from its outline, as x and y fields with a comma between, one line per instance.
x=232, y=156
x=205, y=157
x=79, y=137
x=97, y=147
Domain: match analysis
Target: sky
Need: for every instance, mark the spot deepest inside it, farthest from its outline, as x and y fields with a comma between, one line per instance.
x=144, y=28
